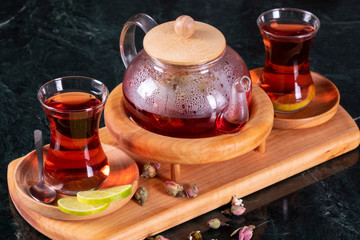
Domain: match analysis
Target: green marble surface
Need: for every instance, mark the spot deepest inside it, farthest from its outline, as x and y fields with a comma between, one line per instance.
x=42, y=39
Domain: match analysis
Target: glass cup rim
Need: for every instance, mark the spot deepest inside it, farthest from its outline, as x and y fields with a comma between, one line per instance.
x=101, y=104
x=258, y=21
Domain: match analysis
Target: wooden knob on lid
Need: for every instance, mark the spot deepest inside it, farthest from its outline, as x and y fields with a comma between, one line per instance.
x=184, y=26
x=179, y=43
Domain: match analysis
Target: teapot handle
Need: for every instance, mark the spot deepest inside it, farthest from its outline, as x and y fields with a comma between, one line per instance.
x=127, y=37
x=238, y=111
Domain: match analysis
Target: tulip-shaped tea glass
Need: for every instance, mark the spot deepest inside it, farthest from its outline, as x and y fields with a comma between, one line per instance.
x=75, y=160
x=287, y=35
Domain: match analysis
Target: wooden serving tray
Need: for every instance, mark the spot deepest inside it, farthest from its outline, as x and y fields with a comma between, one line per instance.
x=288, y=152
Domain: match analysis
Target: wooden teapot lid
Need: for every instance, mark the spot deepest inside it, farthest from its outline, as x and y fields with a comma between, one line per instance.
x=184, y=42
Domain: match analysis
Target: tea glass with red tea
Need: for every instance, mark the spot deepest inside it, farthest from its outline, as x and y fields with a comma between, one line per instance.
x=75, y=160
x=287, y=35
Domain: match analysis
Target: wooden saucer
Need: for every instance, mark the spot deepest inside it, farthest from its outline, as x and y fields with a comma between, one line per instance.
x=322, y=108
x=140, y=142
x=123, y=170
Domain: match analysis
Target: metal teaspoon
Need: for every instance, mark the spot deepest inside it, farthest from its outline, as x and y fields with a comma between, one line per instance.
x=40, y=191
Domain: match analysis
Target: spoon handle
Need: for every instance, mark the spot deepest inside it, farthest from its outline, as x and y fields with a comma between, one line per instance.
x=39, y=154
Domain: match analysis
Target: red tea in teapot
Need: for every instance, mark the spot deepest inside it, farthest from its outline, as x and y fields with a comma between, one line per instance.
x=179, y=127
x=171, y=126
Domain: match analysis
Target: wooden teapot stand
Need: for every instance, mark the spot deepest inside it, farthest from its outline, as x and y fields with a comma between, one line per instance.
x=139, y=142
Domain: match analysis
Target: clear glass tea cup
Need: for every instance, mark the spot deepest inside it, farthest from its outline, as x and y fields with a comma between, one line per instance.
x=75, y=160
x=287, y=35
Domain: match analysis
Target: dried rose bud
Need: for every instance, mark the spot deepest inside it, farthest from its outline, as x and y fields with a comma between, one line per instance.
x=237, y=207
x=237, y=210
x=141, y=195
x=196, y=235
x=149, y=170
x=159, y=237
x=174, y=189
x=214, y=223
x=246, y=232
x=157, y=166
x=192, y=191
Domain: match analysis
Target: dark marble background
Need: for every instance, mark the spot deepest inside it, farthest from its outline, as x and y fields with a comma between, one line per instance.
x=42, y=39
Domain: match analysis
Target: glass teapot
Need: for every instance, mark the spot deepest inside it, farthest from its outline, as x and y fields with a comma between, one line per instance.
x=186, y=82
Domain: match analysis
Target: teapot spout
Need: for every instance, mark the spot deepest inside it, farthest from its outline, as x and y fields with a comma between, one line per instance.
x=237, y=111
x=236, y=114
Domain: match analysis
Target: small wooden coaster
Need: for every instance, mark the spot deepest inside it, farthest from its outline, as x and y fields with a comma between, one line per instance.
x=322, y=108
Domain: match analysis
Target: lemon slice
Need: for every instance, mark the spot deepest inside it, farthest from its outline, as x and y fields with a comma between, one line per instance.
x=72, y=206
x=282, y=103
x=102, y=196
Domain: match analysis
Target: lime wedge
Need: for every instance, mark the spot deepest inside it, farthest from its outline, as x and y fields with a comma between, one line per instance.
x=102, y=196
x=282, y=103
x=72, y=206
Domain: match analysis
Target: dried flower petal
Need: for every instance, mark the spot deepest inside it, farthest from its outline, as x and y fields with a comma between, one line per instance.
x=141, y=195
x=174, y=189
x=196, y=235
x=237, y=201
x=237, y=210
x=192, y=191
